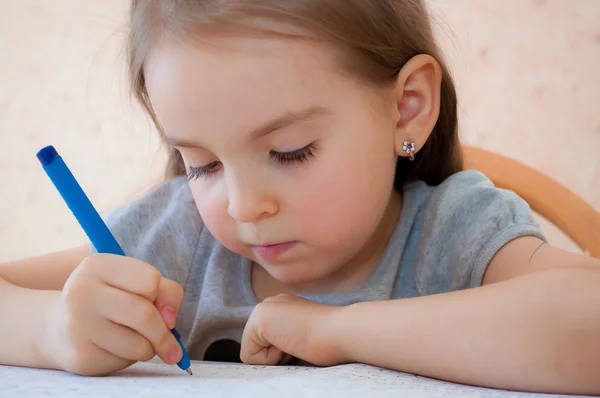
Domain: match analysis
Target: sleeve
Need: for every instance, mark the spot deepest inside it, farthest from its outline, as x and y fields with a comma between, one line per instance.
x=161, y=228
x=465, y=223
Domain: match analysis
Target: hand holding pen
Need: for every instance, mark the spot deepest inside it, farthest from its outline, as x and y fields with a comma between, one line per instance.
x=107, y=317
x=113, y=310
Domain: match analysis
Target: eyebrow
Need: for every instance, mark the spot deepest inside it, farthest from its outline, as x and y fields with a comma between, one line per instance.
x=281, y=122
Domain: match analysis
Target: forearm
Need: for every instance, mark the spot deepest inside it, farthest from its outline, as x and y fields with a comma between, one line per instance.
x=22, y=311
x=538, y=332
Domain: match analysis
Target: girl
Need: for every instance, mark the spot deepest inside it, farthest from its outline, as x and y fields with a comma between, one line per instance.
x=315, y=208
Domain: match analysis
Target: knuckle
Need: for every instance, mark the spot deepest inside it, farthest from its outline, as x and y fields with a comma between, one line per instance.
x=154, y=276
x=144, y=351
x=144, y=314
x=174, y=289
x=255, y=324
x=261, y=309
x=91, y=264
x=274, y=299
x=178, y=290
x=88, y=263
x=87, y=271
x=152, y=280
x=76, y=295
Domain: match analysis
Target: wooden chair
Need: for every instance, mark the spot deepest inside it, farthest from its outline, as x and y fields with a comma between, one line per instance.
x=553, y=201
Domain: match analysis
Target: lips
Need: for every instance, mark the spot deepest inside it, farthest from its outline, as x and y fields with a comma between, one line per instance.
x=273, y=251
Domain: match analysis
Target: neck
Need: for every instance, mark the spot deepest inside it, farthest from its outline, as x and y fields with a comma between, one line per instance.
x=350, y=275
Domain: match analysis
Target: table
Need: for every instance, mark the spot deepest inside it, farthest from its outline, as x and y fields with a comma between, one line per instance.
x=153, y=379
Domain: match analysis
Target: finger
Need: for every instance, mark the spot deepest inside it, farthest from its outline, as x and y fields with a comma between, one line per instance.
x=98, y=363
x=125, y=273
x=121, y=341
x=257, y=353
x=142, y=316
x=256, y=350
x=168, y=301
x=91, y=360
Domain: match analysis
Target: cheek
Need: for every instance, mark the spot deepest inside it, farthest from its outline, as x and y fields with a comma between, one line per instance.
x=342, y=204
x=215, y=216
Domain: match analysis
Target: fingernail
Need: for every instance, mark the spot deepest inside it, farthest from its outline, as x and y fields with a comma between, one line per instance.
x=174, y=354
x=169, y=314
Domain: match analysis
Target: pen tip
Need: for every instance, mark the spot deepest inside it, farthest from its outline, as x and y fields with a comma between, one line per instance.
x=189, y=371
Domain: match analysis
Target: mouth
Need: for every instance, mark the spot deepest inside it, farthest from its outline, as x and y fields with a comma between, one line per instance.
x=273, y=250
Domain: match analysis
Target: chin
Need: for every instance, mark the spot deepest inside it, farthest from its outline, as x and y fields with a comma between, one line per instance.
x=290, y=276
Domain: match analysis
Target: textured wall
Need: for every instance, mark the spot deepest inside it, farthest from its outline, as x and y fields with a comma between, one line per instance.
x=526, y=72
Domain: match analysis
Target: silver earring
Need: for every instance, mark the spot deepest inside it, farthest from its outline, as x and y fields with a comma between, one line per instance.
x=409, y=147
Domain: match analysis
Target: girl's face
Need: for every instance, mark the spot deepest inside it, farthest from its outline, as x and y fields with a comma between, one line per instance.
x=291, y=160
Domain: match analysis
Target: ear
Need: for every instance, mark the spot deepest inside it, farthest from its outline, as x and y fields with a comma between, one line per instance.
x=417, y=99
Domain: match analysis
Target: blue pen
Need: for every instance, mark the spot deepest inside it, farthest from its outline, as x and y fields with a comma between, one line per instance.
x=88, y=217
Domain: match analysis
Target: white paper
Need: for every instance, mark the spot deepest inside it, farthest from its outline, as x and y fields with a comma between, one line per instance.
x=234, y=380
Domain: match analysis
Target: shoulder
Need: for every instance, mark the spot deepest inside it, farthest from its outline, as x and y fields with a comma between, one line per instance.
x=163, y=196
x=471, y=196
x=465, y=221
x=161, y=227
x=168, y=207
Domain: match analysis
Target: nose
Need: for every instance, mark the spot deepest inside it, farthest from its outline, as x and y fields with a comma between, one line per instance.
x=249, y=202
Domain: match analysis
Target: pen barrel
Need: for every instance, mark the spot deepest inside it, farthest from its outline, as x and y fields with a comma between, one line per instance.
x=81, y=207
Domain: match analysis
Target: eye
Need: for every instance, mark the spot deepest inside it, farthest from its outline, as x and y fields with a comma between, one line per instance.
x=204, y=171
x=297, y=156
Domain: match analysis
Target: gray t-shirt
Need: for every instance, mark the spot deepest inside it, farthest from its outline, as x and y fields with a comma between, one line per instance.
x=444, y=239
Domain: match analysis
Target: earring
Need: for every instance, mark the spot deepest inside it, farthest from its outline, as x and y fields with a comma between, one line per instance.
x=409, y=148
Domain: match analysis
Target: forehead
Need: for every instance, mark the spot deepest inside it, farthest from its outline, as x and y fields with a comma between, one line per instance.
x=232, y=84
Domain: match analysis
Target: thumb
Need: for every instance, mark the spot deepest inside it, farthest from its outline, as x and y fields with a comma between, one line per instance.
x=168, y=301
x=256, y=349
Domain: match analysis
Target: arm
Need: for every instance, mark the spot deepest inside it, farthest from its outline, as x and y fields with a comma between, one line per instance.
x=533, y=326
x=27, y=288
x=46, y=272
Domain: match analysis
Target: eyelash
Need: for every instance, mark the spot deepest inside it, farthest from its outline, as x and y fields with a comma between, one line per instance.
x=285, y=158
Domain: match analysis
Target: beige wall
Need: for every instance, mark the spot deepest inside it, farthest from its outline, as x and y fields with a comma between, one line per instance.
x=527, y=74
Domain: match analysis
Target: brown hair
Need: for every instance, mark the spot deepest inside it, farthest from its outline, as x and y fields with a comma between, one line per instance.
x=378, y=36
